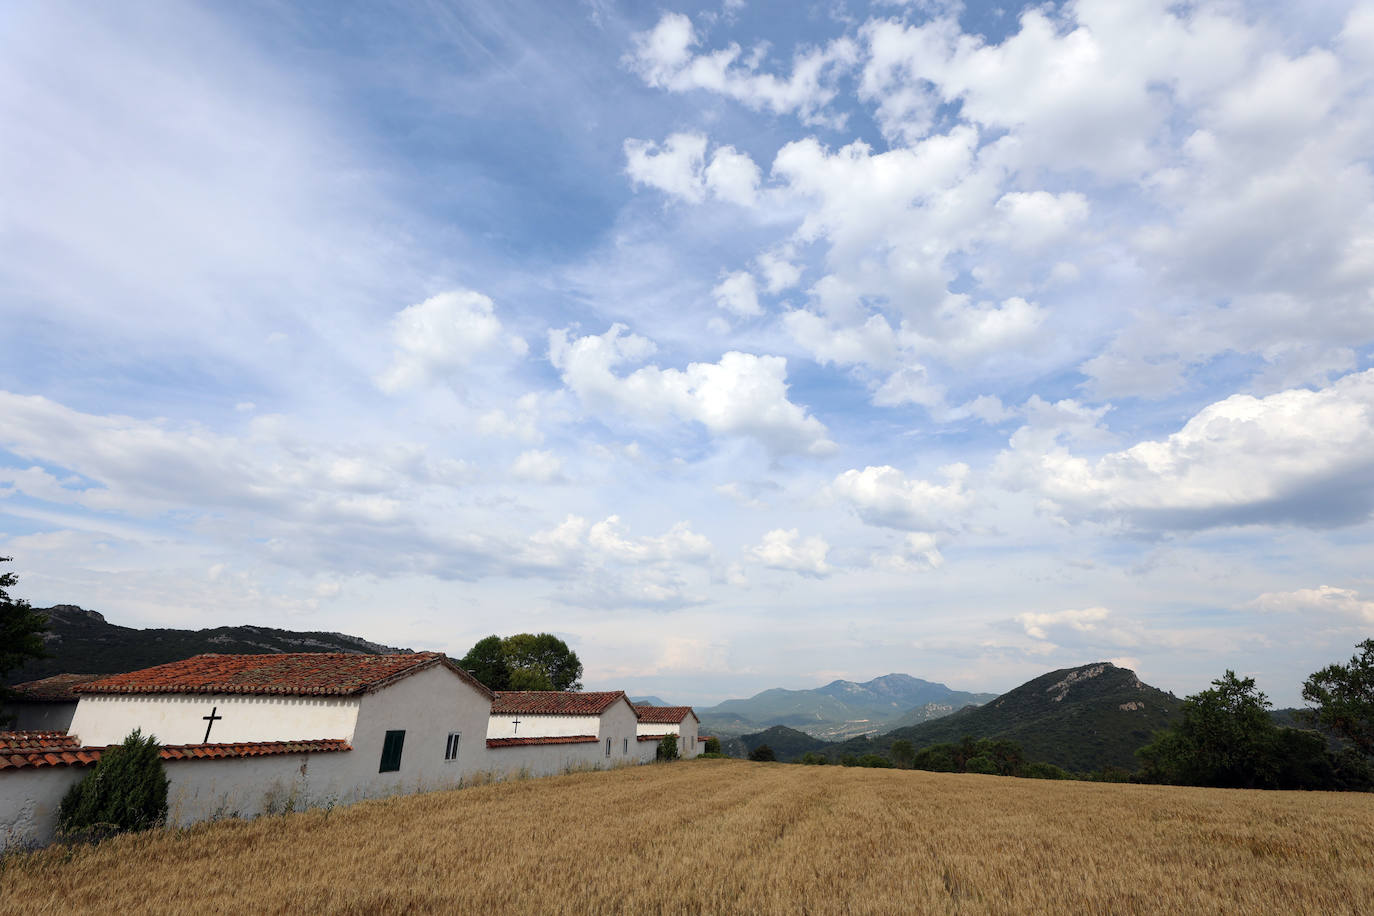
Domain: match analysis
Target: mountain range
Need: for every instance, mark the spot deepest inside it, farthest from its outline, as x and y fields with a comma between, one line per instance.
x=79, y=641
x=840, y=709
x=1081, y=719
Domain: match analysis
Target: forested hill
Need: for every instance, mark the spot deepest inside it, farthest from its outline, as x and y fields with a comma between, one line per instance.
x=1081, y=719
x=83, y=642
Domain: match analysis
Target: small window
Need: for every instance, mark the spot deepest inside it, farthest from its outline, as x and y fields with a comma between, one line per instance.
x=608, y=747
x=626, y=748
x=451, y=749
x=391, y=751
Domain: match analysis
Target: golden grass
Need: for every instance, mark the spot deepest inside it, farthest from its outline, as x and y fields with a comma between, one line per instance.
x=737, y=837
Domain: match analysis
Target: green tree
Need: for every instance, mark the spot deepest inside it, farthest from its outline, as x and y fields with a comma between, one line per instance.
x=1224, y=737
x=902, y=753
x=126, y=790
x=763, y=753
x=1342, y=697
x=486, y=661
x=21, y=632
x=712, y=746
x=536, y=659
x=667, y=748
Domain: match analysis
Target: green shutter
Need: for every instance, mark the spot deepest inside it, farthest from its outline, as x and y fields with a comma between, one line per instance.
x=391, y=751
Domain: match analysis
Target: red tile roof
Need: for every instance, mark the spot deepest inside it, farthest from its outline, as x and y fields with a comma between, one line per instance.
x=35, y=741
x=283, y=674
x=664, y=715
x=55, y=689
x=550, y=739
x=555, y=702
x=651, y=737
x=71, y=755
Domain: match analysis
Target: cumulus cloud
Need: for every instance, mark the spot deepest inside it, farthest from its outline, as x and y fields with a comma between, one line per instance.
x=536, y=466
x=664, y=58
x=886, y=497
x=1324, y=599
x=786, y=549
x=1037, y=625
x=1299, y=457
x=678, y=167
x=741, y=395
x=441, y=336
x=738, y=293
x=917, y=552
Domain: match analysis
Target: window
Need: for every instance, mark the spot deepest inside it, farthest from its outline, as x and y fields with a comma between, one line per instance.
x=626, y=748
x=608, y=747
x=391, y=751
x=451, y=749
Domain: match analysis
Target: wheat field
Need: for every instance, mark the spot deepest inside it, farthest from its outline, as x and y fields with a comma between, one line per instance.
x=727, y=836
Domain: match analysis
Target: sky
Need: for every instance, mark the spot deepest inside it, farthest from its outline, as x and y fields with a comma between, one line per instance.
x=740, y=345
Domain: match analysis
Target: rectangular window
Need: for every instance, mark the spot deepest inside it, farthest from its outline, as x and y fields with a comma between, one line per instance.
x=626, y=748
x=391, y=751
x=451, y=749
x=608, y=747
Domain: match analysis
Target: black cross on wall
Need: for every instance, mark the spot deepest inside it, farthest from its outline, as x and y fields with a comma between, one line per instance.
x=210, y=721
x=516, y=723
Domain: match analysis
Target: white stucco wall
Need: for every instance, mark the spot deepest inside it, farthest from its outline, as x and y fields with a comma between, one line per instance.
x=28, y=803
x=618, y=724
x=688, y=744
x=545, y=759
x=175, y=718
x=533, y=726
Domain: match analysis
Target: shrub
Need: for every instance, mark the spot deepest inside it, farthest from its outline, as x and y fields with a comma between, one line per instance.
x=981, y=764
x=1045, y=771
x=712, y=745
x=126, y=790
x=762, y=753
x=667, y=748
x=811, y=758
x=875, y=760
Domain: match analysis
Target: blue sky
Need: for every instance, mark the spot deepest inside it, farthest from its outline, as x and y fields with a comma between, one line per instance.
x=741, y=345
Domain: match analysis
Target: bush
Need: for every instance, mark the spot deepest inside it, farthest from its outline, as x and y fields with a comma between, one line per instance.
x=712, y=746
x=981, y=764
x=1045, y=771
x=126, y=790
x=875, y=760
x=811, y=758
x=762, y=753
x=667, y=748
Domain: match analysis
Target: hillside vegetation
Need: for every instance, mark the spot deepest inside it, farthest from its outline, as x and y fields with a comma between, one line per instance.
x=84, y=642
x=726, y=836
x=1081, y=719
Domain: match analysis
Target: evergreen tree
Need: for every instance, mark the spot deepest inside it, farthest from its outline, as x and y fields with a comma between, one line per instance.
x=667, y=748
x=126, y=790
x=763, y=753
x=1343, y=699
x=21, y=633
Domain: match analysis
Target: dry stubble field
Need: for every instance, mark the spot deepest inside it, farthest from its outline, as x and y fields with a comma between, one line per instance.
x=737, y=837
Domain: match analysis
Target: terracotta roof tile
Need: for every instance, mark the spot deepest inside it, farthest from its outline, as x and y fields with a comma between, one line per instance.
x=37, y=741
x=84, y=756
x=651, y=737
x=664, y=715
x=555, y=702
x=550, y=739
x=55, y=689
x=285, y=674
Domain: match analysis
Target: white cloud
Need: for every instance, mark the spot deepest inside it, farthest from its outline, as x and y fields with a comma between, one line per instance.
x=788, y=550
x=1296, y=457
x=886, y=497
x=441, y=336
x=1084, y=621
x=678, y=167
x=733, y=176
x=663, y=57
x=1324, y=599
x=536, y=466
x=737, y=293
x=917, y=552
x=741, y=395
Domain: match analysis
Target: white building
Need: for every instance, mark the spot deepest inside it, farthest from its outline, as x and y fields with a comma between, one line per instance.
x=548, y=731
x=653, y=723
x=246, y=734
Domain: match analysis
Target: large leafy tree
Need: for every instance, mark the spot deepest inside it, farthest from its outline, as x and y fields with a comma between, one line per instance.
x=21, y=628
x=1342, y=698
x=1224, y=737
x=525, y=661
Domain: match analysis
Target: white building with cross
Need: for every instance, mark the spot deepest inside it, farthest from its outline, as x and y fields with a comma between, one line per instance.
x=654, y=723
x=245, y=734
x=537, y=729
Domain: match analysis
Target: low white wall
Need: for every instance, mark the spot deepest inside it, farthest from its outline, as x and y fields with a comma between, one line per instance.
x=545, y=759
x=28, y=803
x=178, y=718
x=504, y=726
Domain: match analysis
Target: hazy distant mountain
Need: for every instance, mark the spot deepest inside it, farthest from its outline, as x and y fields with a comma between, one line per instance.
x=840, y=709
x=1078, y=718
x=788, y=744
x=83, y=642
x=649, y=701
